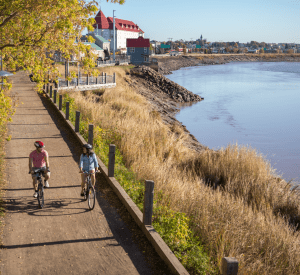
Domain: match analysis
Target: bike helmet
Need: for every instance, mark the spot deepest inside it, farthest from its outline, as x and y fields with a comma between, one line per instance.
x=39, y=144
x=88, y=146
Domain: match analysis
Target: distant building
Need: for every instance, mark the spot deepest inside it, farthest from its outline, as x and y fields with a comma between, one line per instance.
x=94, y=48
x=124, y=29
x=138, y=49
x=165, y=46
x=252, y=51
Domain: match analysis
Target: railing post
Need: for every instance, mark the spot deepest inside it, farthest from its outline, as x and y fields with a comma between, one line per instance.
x=105, y=78
x=102, y=77
x=111, y=160
x=91, y=134
x=148, y=202
x=97, y=79
x=229, y=266
x=87, y=80
x=50, y=91
x=77, y=119
x=114, y=78
x=60, y=102
x=67, y=110
x=47, y=88
x=78, y=80
x=55, y=95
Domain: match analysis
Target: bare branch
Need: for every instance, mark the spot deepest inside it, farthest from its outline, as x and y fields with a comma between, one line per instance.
x=10, y=17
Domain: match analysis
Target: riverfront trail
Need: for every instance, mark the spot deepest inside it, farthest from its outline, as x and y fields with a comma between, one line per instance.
x=63, y=237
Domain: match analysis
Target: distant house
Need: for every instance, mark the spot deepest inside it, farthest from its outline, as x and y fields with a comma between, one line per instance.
x=252, y=51
x=101, y=43
x=165, y=46
x=138, y=49
x=96, y=49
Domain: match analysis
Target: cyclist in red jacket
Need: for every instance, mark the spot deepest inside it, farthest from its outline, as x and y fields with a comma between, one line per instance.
x=39, y=159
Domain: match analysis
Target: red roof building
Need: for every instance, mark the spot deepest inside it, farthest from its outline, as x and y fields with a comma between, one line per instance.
x=124, y=29
x=101, y=21
x=138, y=43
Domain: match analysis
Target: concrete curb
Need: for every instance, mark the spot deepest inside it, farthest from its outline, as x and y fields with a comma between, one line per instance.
x=158, y=243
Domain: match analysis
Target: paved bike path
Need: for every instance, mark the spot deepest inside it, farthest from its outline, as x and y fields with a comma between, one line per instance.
x=63, y=237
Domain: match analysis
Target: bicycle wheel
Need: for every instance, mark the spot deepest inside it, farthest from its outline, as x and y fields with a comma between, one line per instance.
x=40, y=196
x=91, y=197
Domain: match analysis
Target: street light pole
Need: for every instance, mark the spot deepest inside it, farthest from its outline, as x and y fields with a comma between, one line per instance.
x=114, y=33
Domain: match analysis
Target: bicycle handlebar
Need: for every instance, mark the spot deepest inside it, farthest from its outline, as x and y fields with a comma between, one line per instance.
x=39, y=170
x=84, y=172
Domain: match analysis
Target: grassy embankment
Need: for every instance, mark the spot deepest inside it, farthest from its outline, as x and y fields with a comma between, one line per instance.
x=247, y=217
x=6, y=111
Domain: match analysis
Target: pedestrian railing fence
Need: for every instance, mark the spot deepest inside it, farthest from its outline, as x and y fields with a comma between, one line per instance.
x=87, y=80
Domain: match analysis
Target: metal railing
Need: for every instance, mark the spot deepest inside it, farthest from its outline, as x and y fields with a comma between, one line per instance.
x=87, y=80
x=111, y=61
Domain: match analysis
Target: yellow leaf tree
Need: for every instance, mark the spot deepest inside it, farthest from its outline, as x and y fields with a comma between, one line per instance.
x=31, y=31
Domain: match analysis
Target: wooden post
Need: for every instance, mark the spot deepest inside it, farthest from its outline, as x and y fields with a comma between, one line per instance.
x=47, y=88
x=55, y=95
x=77, y=119
x=111, y=160
x=91, y=134
x=50, y=91
x=67, y=110
x=148, y=202
x=229, y=266
x=60, y=102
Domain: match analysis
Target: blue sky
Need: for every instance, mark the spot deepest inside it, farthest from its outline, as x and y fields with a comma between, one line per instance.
x=276, y=21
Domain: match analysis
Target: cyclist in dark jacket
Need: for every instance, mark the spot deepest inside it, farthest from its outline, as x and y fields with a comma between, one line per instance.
x=88, y=163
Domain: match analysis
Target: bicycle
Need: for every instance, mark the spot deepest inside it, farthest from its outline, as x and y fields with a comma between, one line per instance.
x=40, y=192
x=89, y=190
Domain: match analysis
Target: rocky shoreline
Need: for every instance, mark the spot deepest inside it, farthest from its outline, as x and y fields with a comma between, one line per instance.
x=170, y=88
x=165, y=98
x=168, y=64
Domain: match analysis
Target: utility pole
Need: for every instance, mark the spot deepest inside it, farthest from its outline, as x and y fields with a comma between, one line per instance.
x=114, y=33
x=171, y=42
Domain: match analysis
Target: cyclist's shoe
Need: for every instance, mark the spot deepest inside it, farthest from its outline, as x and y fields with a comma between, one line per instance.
x=35, y=194
x=82, y=194
x=46, y=184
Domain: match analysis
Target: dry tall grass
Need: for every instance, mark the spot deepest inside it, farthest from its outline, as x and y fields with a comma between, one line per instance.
x=237, y=220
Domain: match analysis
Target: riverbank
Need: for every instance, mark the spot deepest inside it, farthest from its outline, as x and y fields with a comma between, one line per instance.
x=242, y=218
x=165, y=98
x=167, y=64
